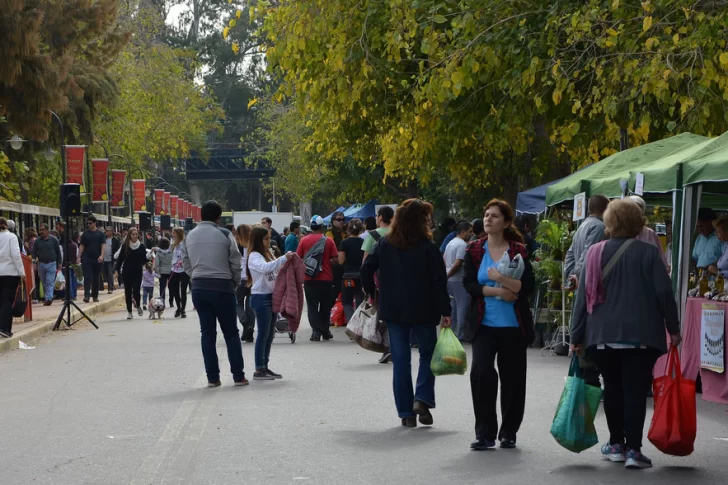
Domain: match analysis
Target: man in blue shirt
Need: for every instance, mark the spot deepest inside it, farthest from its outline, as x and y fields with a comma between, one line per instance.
x=292, y=238
x=708, y=248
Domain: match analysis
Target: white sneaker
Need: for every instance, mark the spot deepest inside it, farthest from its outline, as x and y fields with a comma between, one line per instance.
x=130, y=316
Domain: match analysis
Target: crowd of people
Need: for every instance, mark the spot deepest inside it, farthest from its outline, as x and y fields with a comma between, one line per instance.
x=623, y=307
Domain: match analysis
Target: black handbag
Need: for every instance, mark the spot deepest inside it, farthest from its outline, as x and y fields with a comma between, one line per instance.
x=21, y=300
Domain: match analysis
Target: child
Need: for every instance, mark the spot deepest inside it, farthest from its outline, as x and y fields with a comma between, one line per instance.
x=148, y=283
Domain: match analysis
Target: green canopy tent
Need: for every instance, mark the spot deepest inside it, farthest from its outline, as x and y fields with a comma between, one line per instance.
x=604, y=176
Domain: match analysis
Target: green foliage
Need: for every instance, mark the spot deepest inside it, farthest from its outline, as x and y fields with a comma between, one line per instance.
x=486, y=94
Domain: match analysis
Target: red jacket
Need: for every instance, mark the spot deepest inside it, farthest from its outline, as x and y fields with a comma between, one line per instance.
x=288, y=292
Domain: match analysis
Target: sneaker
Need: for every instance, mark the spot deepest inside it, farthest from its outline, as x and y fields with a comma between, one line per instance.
x=177, y=313
x=242, y=382
x=636, y=460
x=262, y=375
x=4, y=334
x=328, y=335
x=315, y=338
x=507, y=443
x=130, y=316
x=275, y=376
x=482, y=445
x=613, y=453
x=140, y=311
x=214, y=384
x=183, y=314
x=386, y=358
x=85, y=300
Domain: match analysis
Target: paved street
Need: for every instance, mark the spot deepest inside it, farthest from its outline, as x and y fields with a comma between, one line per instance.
x=127, y=404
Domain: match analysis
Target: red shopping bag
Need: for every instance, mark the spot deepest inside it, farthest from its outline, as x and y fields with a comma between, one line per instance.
x=674, y=423
x=337, y=317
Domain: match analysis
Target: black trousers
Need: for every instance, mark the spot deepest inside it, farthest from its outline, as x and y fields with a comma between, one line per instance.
x=319, y=304
x=91, y=279
x=178, y=283
x=625, y=372
x=349, y=295
x=163, y=280
x=508, y=346
x=246, y=315
x=8, y=288
x=132, y=289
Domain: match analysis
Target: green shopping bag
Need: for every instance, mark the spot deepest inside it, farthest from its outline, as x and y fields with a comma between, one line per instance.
x=449, y=356
x=573, y=425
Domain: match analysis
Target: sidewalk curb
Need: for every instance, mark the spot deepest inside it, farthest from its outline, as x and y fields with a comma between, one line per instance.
x=41, y=328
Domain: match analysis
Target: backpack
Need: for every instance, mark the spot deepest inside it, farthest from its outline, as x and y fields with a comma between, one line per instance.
x=313, y=259
x=376, y=236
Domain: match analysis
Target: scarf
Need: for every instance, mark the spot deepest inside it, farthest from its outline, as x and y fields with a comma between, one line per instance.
x=593, y=276
x=134, y=246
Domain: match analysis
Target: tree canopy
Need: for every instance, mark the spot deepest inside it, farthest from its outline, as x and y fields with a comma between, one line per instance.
x=489, y=94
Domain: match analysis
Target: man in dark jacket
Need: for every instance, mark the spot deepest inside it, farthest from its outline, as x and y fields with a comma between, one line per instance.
x=48, y=259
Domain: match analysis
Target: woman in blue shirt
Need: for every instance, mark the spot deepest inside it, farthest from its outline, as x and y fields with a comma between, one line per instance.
x=500, y=325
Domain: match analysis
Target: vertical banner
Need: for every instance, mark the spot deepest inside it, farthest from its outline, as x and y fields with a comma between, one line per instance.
x=158, y=199
x=75, y=156
x=118, y=180
x=100, y=170
x=140, y=187
x=712, y=338
x=179, y=209
x=173, y=205
x=165, y=203
x=188, y=209
x=199, y=213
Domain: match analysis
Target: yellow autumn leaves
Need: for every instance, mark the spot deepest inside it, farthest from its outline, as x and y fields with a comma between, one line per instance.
x=232, y=23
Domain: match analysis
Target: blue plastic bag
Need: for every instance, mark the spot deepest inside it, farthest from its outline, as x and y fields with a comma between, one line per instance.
x=573, y=425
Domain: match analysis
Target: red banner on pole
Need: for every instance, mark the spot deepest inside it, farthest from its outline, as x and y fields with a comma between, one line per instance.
x=199, y=213
x=187, y=210
x=165, y=203
x=100, y=169
x=118, y=180
x=173, y=205
x=179, y=209
x=158, y=199
x=140, y=202
x=75, y=156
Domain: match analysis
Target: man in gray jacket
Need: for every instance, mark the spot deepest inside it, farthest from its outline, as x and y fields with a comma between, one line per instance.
x=590, y=232
x=213, y=262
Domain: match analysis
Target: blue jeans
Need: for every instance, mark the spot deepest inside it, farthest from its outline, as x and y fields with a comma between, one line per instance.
x=147, y=292
x=262, y=305
x=399, y=346
x=47, y=274
x=74, y=284
x=213, y=307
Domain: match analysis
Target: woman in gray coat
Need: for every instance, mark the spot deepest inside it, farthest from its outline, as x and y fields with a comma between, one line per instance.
x=624, y=303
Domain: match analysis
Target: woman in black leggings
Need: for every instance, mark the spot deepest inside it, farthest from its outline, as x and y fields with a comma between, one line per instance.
x=179, y=280
x=130, y=262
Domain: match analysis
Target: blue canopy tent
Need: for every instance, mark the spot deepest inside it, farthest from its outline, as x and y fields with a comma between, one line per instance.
x=348, y=213
x=327, y=219
x=533, y=201
x=367, y=210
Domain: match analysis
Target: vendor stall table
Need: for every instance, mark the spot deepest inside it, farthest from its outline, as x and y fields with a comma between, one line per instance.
x=715, y=385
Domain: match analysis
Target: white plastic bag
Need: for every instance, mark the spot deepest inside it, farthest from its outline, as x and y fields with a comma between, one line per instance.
x=510, y=268
x=366, y=330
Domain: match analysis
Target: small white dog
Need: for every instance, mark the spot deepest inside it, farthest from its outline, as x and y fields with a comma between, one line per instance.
x=156, y=307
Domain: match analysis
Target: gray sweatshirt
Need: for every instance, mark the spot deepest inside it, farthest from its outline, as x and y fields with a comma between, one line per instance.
x=211, y=258
x=590, y=232
x=163, y=262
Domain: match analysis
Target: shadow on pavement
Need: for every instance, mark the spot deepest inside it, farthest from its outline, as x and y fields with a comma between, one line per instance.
x=391, y=439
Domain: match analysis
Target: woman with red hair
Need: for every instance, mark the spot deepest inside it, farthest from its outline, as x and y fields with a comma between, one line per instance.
x=412, y=296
